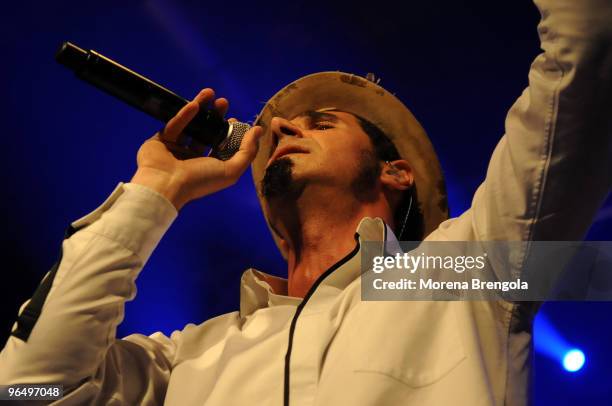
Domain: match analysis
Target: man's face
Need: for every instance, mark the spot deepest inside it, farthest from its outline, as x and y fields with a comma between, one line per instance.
x=319, y=148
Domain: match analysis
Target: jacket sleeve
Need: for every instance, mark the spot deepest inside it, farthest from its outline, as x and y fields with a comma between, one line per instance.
x=551, y=171
x=66, y=333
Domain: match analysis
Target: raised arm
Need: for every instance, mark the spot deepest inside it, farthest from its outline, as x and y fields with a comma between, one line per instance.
x=66, y=333
x=551, y=171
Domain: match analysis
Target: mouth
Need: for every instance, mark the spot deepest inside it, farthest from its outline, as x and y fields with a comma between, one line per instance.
x=286, y=150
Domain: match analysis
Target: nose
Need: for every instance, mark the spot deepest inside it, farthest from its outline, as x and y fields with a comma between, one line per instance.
x=284, y=128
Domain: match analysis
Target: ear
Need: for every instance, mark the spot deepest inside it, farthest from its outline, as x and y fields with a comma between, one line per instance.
x=397, y=175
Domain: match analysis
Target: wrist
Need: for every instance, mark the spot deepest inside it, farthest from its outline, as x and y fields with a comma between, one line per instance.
x=161, y=182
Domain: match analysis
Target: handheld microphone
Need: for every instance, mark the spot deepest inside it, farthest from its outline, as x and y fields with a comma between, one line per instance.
x=207, y=127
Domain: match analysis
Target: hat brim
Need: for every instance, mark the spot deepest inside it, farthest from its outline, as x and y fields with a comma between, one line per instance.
x=357, y=95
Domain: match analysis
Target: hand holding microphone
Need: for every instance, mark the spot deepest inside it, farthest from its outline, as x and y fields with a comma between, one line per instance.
x=162, y=160
x=162, y=168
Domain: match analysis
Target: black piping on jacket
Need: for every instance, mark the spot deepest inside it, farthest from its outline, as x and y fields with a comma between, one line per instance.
x=30, y=314
x=299, y=310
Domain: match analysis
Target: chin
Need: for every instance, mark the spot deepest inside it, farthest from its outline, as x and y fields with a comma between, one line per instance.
x=279, y=180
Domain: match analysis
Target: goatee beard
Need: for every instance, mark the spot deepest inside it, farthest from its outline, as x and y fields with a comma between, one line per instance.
x=278, y=179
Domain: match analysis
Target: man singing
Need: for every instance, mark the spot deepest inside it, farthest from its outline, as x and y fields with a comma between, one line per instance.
x=337, y=161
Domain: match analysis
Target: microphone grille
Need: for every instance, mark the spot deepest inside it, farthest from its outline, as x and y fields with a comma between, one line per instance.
x=231, y=144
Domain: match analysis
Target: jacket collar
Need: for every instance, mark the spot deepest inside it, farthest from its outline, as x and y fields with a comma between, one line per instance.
x=256, y=290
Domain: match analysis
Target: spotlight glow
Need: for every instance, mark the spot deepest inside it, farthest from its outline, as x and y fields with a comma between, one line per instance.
x=573, y=360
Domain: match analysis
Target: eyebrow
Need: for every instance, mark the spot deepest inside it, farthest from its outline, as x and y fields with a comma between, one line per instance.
x=314, y=116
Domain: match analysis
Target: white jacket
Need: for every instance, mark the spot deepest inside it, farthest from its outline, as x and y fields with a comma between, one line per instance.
x=547, y=177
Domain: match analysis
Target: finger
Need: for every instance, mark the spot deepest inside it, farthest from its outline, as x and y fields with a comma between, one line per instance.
x=221, y=106
x=232, y=120
x=241, y=160
x=205, y=96
x=177, y=124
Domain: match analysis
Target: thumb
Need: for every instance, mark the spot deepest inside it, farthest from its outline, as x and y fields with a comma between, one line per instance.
x=246, y=154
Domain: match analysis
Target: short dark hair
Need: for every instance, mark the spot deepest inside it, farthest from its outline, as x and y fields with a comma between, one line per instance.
x=386, y=151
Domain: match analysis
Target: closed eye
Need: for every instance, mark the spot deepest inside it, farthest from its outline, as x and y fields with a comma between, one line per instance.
x=323, y=125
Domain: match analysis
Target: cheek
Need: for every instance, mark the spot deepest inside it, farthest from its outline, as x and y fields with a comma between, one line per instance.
x=340, y=148
x=343, y=165
x=339, y=156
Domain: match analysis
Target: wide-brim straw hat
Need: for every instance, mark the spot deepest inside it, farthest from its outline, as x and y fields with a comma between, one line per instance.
x=363, y=97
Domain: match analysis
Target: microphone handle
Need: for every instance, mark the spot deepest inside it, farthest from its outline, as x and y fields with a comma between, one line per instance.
x=207, y=127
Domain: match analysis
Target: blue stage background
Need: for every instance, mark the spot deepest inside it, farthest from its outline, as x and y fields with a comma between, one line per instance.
x=458, y=65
